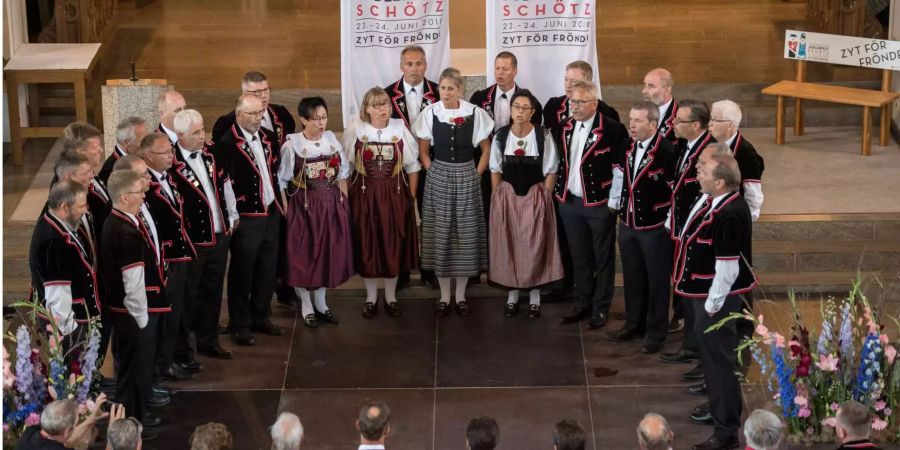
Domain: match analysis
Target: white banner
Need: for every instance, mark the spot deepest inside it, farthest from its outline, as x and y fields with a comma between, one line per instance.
x=845, y=50
x=545, y=35
x=373, y=32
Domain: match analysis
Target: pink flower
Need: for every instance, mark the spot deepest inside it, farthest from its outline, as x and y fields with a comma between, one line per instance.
x=829, y=421
x=762, y=330
x=49, y=328
x=879, y=405
x=32, y=419
x=888, y=412
x=878, y=424
x=891, y=353
x=804, y=412
x=828, y=363
x=801, y=400
x=883, y=339
x=834, y=407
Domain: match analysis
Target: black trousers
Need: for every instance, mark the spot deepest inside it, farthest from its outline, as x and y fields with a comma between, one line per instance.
x=719, y=362
x=135, y=354
x=282, y=290
x=205, y=287
x=591, y=234
x=646, y=268
x=251, y=276
x=170, y=326
x=744, y=327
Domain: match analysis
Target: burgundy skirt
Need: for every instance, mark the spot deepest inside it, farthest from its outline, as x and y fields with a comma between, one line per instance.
x=319, y=250
x=524, y=251
x=385, y=241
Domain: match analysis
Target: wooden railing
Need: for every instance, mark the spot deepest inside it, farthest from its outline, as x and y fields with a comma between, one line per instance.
x=82, y=21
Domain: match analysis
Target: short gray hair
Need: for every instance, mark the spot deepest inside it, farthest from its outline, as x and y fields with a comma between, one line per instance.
x=652, y=110
x=69, y=162
x=186, y=118
x=730, y=111
x=120, y=182
x=585, y=86
x=58, y=416
x=126, y=162
x=125, y=129
x=763, y=430
x=287, y=432
x=654, y=436
x=63, y=192
x=124, y=434
x=726, y=168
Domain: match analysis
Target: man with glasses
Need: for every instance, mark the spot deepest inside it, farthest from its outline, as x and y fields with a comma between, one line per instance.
x=168, y=104
x=657, y=89
x=589, y=143
x=724, y=126
x=250, y=155
x=559, y=109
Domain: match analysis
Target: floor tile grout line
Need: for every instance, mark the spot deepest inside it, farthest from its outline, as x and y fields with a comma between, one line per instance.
x=287, y=365
x=587, y=386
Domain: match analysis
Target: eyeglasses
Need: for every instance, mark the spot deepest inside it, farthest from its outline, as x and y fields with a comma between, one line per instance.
x=719, y=120
x=379, y=105
x=521, y=108
x=317, y=119
x=255, y=113
x=168, y=152
x=580, y=102
x=678, y=121
x=258, y=92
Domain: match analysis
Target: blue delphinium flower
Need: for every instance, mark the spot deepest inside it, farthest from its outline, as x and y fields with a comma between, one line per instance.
x=757, y=354
x=24, y=368
x=786, y=389
x=869, y=368
x=88, y=365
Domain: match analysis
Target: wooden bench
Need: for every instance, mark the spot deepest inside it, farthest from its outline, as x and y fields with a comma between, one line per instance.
x=802, y=90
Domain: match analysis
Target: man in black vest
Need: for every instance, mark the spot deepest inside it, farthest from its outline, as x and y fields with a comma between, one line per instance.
x=589, y=143
x=712, y=273
x=559, y=109
x=84, y=138
x=724, y=126
x=178, y=253
x=657, y=89
x=209, y=214
x=134, y=275
x=645, y=173
x=129, y=134
x=408, y=96
x=168, y=104
x=250, y=156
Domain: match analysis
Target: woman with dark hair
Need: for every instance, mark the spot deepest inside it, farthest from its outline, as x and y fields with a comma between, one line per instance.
x=454, y=239
x=313, y=178
x=385, y=156
x=524, y=252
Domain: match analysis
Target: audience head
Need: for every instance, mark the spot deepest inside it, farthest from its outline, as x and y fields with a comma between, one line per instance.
x=452, y=86
x=124, y=434
x=643, y=120
x=374, y=422
x=256, y=83
x=583, y=100
x=249, y=112
x=506, y=66
x=130, y=132
x=725, y=119
x=156, y=149
x=84, y=138
x=413, y=65
x=188, y=125
x=854, y=422
x=658, y=86
x=654, y=433
x=313, y=115
x=523, y=106
x=74, y=166
x=376, y=107
x=568, y=435
x=68, y=202
x=717, y=170
x=126, y=189
x=577, y=71
x=763, y=430
x=58, y=418
x=168, y=104
x=482, y=433
x=691, y=119
x=287, y=432
x=211, y=436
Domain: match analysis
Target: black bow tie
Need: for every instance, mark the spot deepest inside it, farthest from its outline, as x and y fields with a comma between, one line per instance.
x=163, y=177
x=503, y=96
x=194, y=155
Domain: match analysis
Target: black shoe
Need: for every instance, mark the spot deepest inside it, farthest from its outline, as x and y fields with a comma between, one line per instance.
x=698, y=389
x=597, y=321
x=681, y=356
x=393, y=308
x=369, y=309
x=701, y=408
x=704, y=418
x=695, y=374
x=269, y=329
x=577, y=315
x=328, y=317
x=310, y=321
x=243, y=338
x=176, y=373
x=623, y=334
x=216, y=352
x=650, y=348
x=442, y=309
x=150, y=420
x=676, y=325
x=163, y=389
x=715, y=443
x=462, y=308
x=191, y=366
x=534, y=311
x=511, y=309
x=157, y=400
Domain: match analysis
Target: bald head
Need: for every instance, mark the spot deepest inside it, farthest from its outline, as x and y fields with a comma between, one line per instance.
x=169, y=104
x=658, y=86
x=654, y=434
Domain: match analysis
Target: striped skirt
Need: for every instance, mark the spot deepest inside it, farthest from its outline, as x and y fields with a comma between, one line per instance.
x=454, y=241
x=524, y=247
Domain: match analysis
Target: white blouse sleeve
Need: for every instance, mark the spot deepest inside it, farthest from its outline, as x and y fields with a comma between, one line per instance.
x=344, y=173
x=286, y=169
x=484, y=126
x=410, y=152
x=551, y=155
x=496, y=160
x=350, y=143
x=422, y=127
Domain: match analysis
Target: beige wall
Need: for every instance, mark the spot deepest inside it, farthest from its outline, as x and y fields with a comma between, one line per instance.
x=467, y=23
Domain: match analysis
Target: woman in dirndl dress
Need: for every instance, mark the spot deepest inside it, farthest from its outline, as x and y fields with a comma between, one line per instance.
x=383, y=219
x=524, y=252
x=313, y=178
x=454, y=241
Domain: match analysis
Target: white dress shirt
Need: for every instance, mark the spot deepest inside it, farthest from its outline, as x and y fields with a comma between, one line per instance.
x=261, y=164
x=267, y=121
x=615, y=192
x=576, y=149
x=752, y=190
x=663, y=109
x=195, y=162
x=173, y=137
x=727, y=271
x=413, y=96
x=502, y=101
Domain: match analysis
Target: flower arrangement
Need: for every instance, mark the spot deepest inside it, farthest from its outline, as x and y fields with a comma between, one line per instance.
x=45, y=371
x=852, y=358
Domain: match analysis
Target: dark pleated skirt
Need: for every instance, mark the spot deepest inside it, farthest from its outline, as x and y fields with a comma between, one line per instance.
x=319, y=249
x=385, y=241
